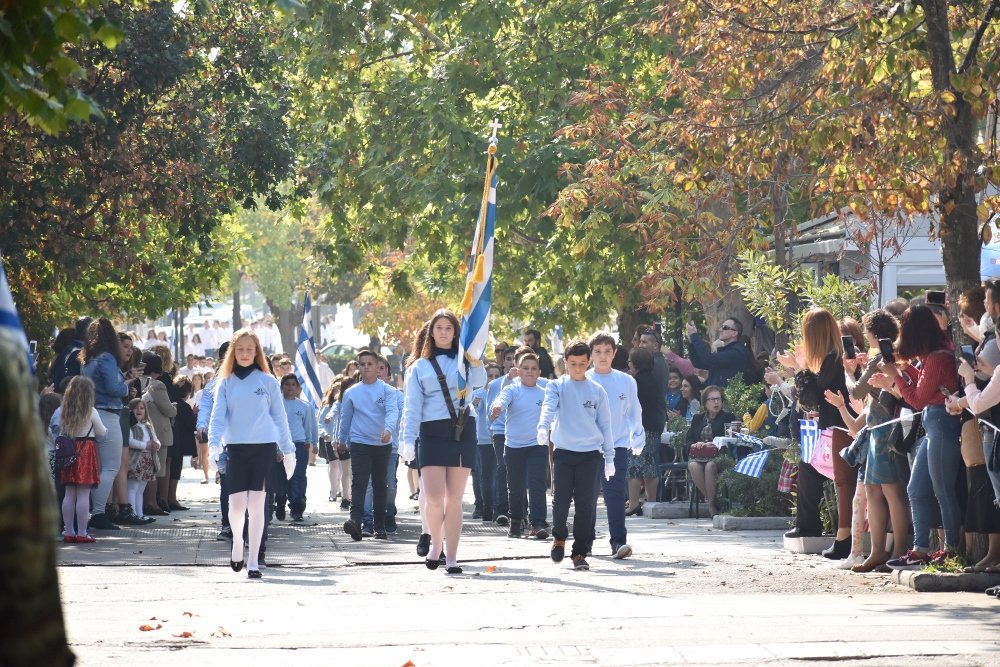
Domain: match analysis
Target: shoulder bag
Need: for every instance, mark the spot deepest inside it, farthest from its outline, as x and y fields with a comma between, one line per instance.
x=458, y=417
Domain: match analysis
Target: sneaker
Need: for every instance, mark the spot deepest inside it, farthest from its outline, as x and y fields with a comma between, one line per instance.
x=852, y=560
x=541, y=533
x=913, y=560
x=391, y=528
x=353, y=530
x=515, y=529
x=345, y=504
x=101, y=522
x=279, y=512
x=622, y=552
x=939, y=557
x=367, y=531
x=381, y=535
x=580, y=562
x=477, y=513
x=297, y=518
x=503, y=520
x=558, y=550
x=225, y=534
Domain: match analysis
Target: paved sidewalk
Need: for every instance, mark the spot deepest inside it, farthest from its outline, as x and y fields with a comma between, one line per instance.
x=690, y=595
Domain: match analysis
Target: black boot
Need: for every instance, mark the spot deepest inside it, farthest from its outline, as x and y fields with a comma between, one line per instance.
x=515, y=528
x=839, y=550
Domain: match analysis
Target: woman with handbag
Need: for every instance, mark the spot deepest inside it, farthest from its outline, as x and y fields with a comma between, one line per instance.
x=937, y=458
x=820, y=367
x=434, y=412
x=708, y=424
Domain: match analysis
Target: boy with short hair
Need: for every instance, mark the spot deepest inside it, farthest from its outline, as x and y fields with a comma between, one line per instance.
x=626, y=426
x=527, y=463
x=493, y=389
x=583, y=441
x=302, y=425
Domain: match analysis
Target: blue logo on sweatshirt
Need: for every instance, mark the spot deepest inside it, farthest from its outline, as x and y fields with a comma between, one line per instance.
x=590, y=404
x=621, y=396
x=260, y=392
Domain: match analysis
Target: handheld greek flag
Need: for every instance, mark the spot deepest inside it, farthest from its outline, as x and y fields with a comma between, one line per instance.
x=750, y=440
x=9, y=319
x=753, y=464
x=478, y=297
x=305, y=358
x=808, y=437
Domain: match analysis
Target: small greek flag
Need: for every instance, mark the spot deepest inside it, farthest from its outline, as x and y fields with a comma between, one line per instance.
x=750, y=440
x=808, y=437
x=753, y=464
x=305, y=358
x=9, y=319
x=478, y=298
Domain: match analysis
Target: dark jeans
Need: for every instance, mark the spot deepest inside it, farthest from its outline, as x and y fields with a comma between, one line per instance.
x=615, y=493
x=573, y=475
x=390, y=497
x=527, y=468
x=224, y=500
x=500, y=505
x=369, y=463
x=809, y=494
x=297, y=484
x=486, y=473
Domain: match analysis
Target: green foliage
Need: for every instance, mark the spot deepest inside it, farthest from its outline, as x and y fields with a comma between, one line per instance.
x=767, y=288
x=742, y=398
x=749, y=496
x=841, y=297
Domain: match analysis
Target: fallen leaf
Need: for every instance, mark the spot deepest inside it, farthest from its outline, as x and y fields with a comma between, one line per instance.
x=185, y=634
x=491, y=568
x=187, y=613
x=409, y=663
x=147, y=628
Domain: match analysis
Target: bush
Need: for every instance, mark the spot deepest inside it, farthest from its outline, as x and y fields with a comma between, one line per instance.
x=743, y=495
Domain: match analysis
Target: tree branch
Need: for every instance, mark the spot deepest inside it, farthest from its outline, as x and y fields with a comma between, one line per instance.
x=423, y=30
x=970, y=56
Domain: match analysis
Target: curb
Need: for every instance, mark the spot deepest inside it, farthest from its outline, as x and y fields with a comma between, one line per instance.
x=945, y=582
x=729, y=522
x=677, y=510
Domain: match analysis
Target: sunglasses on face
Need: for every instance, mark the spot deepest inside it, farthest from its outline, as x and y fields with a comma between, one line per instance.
x=726, y=327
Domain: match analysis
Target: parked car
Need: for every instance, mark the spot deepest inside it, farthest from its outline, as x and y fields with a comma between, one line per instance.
x=337, y=355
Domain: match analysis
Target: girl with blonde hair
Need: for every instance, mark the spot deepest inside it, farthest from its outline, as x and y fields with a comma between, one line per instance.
x=79, y=421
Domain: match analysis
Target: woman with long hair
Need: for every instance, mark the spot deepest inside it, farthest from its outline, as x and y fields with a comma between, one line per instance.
x=691, y=388
x=434, y=412
x=100, y=361
x=249, y=416
x=131, y=361
x=642, y=468
x=938, y=456
x=80, y=421
x=821, y=365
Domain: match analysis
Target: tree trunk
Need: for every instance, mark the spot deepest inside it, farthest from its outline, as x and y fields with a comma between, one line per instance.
x=285, y=319
x=629, y=318
x=237, y=317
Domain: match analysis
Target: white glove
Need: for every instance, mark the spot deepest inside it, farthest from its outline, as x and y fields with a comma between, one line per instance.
x=289, y=462
x=542, y=438
x=638, y=444
x=609, y=469
x=408, y=451
x=213, y=454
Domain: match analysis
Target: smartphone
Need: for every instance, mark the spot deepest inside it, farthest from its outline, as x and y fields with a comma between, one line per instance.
x=885, y=347
x=935, y=297
x=33, y=346
x=850, y=352
x=969, y=354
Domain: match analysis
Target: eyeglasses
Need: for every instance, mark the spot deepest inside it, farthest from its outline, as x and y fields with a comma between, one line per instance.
x=713, y=398
x=286, y=363
x=726, y=327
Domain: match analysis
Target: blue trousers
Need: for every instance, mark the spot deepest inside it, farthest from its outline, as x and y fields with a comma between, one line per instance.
x=297, y=483
x=390, y=497
x=369, y=464
x=934, y=476
x=500, y=505
x=615, y=492
x=486, y=474
x=527, y=468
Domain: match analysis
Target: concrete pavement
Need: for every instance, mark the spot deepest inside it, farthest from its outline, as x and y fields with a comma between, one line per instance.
x=690, y=595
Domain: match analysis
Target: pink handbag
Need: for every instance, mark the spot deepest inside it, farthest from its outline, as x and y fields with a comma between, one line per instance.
x=822, y=458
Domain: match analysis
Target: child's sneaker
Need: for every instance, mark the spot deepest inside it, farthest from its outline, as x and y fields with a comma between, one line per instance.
x=939, y=557
x=621, y=552
x=558, y=550
x=580, y=562
x=540, y=533
x=913, y=560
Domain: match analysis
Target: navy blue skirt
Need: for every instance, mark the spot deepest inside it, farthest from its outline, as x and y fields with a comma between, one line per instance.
x=438, y=446
x=249, y=465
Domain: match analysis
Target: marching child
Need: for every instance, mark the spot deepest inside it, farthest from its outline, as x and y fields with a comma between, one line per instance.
x=583, y=441
x=527, y=463
x=142, y=462
x=79, y=421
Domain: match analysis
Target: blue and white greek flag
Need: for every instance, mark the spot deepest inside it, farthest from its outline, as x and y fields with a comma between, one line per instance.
x=753, y=464
x=305, y=359
x=9, y=319
x=478, y=298
x=808, y=437
x=750, y=440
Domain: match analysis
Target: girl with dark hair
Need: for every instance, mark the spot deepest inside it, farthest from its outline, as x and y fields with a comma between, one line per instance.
x=643, y=467
x=99, y=361
x=691, y=387
x=434, y=412
x=937, y=457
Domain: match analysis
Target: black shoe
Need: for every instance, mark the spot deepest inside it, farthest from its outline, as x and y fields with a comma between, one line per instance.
x=636, y=511
x=477, y=514
x=353, y=530
x=366, y=531
x=503, y=520
x=381, y=535
x=454, y=569
x=423, y=545
x=441, y=560
x=279, y=512
x=177, y=507
x=111, y=511
x=431, y=564
x=260, y=560
x=796, y=533
x=236, y=566
x=101, y=522
x=297, y=518
x=225, y=534
x=345, y=504
x=254, y=574
x=839, y=550
x=558, y=550
x=515, y=528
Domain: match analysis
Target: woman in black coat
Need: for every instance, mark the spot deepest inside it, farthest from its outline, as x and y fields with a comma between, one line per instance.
x=708, y=424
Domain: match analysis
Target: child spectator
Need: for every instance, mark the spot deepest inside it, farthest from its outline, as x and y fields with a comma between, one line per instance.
x=80, y=421
x=142, y=461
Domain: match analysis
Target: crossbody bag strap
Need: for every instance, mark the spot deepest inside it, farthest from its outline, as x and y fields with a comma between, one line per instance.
x=443, y=381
